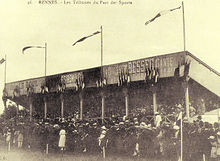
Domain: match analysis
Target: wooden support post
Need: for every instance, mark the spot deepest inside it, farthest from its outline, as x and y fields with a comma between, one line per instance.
x=31, y=108
x=103, y=152
x=103, y=105
x=155, y=102
x=186, y=90
x=81, y=104
x=47, y=148
x=17, y=108
x=62, y=105
x=45, y=107
x=5, y=102
x=125, y=92
x=154, y=91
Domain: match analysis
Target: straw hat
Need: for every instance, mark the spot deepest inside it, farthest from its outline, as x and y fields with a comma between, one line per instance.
x=121, y=123
x=211, y=137
x=103, y=128
x=175, y=127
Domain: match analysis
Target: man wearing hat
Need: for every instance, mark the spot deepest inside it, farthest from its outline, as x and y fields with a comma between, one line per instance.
x=213, y=154
x=103, y=140
x=8, y=139
x=218, y=145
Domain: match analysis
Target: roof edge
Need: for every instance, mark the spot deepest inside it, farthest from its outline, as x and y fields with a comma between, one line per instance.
x=80, y=70
x=201, y=62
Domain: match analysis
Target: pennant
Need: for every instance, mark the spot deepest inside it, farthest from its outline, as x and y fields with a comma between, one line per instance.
x=146, y=74
x=156, y=76
x=129, y=79
x=122, y=77
x=82, y=39
x=105, y=81
x=186, y=69
x=153, y=72
x=123, y=74
x=100, y=82
x=119, y=79
x=28, y=47
x=77, y=84
x=149, y=74
x=181, y=70
x=83, y=85
x=2, y=61
x=161, y=13
x=97, y=83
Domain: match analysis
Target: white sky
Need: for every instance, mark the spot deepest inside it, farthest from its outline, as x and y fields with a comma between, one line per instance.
x=125, y=35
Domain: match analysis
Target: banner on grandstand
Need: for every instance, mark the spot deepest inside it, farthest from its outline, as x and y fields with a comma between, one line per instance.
x=22, y=86
x=72, y=80
x=165, y=64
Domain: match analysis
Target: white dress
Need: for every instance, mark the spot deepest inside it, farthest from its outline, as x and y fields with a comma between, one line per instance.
x=158, y=119
x=62, y=139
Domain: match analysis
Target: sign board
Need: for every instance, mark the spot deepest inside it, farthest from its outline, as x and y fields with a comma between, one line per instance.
x=136, y=68
x=21, y=86
x=70, y=79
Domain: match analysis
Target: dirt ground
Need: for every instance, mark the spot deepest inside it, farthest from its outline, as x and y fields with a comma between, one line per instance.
x=26, y=155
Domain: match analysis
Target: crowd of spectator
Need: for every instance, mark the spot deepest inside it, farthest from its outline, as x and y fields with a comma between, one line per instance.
x=141, y=134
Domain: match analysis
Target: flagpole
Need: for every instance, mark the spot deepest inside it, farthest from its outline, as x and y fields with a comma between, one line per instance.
x=45, y=74
x=184, y=32
x=181, y=135
x=103, y=101
x=5, y=72
x=187, y=94
x=101, y=52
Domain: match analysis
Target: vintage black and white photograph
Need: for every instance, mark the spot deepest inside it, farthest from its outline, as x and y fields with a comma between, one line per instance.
x=110, y=80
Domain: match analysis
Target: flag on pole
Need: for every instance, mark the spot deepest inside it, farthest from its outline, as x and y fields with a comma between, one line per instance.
x=161, y=13
x=2, y=61
x=82, y=39
x=27, y=47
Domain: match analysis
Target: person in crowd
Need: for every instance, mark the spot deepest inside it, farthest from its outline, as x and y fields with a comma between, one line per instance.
x=218, y=145
x=213, y=150
x=62, y=139
x=20, y=139
x=15, y=139
x=103, y=140
x=158, y=119
x=8, y=139
x=134, y=135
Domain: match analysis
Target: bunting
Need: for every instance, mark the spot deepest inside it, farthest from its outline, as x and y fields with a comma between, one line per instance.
x=30, y=90
x=101, y=83
x=151, y=75
x=79, y=83
x=44, y=89
x=183, y=70
x=123, y=78
x=61, y=87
